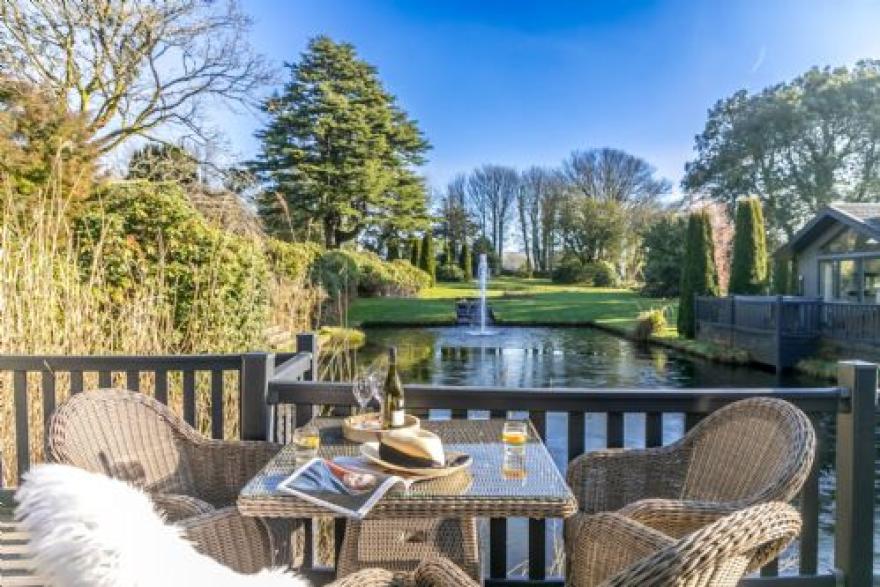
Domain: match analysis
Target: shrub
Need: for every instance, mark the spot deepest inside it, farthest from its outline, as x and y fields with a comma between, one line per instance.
x=450, y=273
x=338, y=273
x=292, y=260
x=601, y=274
x=649, y=323
x=365, y=273
x=569, y=270
x=149, y=231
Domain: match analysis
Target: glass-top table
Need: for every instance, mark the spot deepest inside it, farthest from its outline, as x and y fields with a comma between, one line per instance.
x=481, y=490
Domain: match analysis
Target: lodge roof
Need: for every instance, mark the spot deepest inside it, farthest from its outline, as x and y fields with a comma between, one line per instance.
x=860, y=216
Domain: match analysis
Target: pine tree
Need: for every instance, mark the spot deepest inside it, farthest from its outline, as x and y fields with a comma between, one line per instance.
x=427, y=262
x=415, y=251
x=465, y=261
x=699, y=276
x=748, y=271
x=338, y=153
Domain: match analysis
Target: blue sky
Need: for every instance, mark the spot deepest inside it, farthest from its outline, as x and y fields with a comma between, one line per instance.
x=521, y=83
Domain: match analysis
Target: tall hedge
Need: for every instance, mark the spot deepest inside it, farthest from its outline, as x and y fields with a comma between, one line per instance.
x=427, y=261
x=748, y=270
x=699, y=276
x=393, y=250
x=214, y=281
x=465, y=262
x=414, y=251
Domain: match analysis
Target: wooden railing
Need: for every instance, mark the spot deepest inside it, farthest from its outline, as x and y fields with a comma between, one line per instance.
x=276, y=393
x=851, y=322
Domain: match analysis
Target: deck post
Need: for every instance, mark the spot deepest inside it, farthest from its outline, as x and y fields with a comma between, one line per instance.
x=307, y=342
x=854, y=527
x=256, y=370
x=780, y=351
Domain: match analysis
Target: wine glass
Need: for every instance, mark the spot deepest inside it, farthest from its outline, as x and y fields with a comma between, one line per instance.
x=365, y=388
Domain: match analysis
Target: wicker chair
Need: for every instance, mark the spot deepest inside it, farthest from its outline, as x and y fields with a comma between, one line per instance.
x=752, y=451
x=132, y=437
x=612, y=550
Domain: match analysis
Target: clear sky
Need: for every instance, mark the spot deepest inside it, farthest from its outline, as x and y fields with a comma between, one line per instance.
x=520, y=83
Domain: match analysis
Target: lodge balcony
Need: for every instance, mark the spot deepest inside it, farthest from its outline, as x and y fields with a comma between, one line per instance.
x=260, y=396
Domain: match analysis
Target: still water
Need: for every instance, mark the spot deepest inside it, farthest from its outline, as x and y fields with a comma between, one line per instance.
x=578, y=357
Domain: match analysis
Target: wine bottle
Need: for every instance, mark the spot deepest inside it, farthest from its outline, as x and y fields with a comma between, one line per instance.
x=392, y=409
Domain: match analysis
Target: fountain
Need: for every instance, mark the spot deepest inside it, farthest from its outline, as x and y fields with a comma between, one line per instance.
x=483, y=279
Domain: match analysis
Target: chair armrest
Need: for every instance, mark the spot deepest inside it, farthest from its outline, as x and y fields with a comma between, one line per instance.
x=373, y=578
x=441, y=572
x=224, y=467
x=235, y=541
x=607, y=480
x=598, y=546
x=177, y=507
x=677, y=518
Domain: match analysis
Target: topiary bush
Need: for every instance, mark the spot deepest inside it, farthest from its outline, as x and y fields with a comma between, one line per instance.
x=450, y=273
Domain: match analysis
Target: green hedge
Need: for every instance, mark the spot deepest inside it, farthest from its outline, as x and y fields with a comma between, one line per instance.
x=571, y=270
x=292, y=260
x=367, y=275
x=213, y=279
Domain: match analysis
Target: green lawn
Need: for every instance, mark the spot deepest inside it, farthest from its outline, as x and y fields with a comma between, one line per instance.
x=514, y=301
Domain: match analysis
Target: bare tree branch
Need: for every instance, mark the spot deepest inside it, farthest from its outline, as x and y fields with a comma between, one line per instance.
x=132, y=66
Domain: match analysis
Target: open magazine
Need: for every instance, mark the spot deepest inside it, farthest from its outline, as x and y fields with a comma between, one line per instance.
x=346, y=485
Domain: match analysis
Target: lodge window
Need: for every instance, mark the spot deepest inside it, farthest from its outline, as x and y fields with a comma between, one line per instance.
x=850, y=241
x=854, y=280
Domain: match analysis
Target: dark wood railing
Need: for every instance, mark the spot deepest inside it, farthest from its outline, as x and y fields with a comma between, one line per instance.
x=851, y=322
x=278, y=392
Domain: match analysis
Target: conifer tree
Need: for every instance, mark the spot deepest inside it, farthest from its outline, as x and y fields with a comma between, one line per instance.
x=338, y=153
x=699, y=276
x=748, y=271
x=427, y=262
x=414, y=251
x=465, y=261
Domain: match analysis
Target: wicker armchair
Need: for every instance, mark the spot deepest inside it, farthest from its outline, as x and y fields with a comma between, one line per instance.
x=612, y=550
x=132, y=437
x=752, y=451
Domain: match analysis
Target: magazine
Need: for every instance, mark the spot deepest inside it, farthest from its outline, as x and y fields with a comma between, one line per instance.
x=346, y=485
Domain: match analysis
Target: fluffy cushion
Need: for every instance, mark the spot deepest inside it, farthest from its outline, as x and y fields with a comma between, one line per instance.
x=90, y=530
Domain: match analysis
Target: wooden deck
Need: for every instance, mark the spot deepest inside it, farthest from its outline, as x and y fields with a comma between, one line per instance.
x=16, y=568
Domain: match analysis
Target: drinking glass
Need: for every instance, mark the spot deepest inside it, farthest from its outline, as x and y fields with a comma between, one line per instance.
x=306, y=440
x=364, y=389
x=514, y=436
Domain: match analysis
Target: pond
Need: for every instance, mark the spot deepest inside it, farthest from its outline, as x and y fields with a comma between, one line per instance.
x=575, y=357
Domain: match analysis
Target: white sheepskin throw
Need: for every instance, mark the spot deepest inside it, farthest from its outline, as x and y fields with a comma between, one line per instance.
x=88, y=530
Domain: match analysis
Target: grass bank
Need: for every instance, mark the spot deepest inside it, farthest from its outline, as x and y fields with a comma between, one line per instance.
x=515, y=301
x=538, y=302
